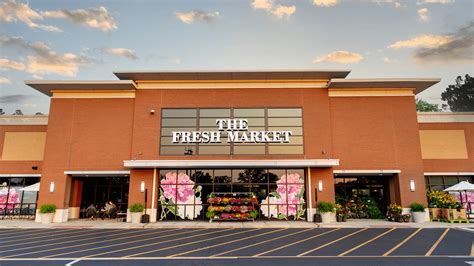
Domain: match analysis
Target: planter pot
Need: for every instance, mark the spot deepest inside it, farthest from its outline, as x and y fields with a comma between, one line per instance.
x=436, y=213
x=136, y=217
x=419, y=217
x=47, y=218
x=326, y=217
x=453, y=214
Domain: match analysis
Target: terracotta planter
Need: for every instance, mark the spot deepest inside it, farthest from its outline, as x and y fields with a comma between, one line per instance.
x=419, y=217
x=326, y=217
x=47, y=218
x=136, y=217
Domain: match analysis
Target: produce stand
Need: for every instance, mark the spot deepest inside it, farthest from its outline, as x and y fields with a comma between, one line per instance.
x=238, y=206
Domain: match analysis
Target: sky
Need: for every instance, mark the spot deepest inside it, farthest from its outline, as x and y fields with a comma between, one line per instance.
x=88, y=40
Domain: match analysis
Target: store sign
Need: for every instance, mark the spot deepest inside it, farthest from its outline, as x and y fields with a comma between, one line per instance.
x=237, y=132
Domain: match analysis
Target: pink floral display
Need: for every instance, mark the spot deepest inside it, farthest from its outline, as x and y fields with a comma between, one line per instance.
x=470, y=198
x=13, y=198
x=289, y=199
x=179, y=189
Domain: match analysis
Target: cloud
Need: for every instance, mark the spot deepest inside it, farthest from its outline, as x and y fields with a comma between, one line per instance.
x=280, y=11
x=343, y=57
x=128, y=53
x=4, y=80
x=459, y=49
x=197, y=16
x=13, y=98
x=96, y=17
x=421, y=2
x=6, y=63
x=423, y=14
x=325, y=3
x=11, y=11
x=389, y=60
x=44, y=60
x=424, y=41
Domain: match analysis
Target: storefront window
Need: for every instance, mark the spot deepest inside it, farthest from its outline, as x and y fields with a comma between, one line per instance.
x=442, y=182
x=16, y=202
x=258, y=120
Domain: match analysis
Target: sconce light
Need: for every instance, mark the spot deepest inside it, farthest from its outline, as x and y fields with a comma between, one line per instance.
x=142, y=187
x=412, y=185
x=152, y=111
x=320, y=185
x=51, y=187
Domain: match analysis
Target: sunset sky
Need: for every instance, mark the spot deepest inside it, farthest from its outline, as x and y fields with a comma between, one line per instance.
x=83, y=40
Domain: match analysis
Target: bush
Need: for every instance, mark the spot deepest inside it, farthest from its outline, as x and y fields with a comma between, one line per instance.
x=137, y=207
x=47, y=208
x=417, y=207
x=373, y=210
x=324, y=206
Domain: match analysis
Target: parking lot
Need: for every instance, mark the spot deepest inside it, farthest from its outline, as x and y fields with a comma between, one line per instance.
x=245, y=245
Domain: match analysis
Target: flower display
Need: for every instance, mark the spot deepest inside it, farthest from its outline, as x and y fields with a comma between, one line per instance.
x=179, y=196
x=287, y=200
x=13, y=198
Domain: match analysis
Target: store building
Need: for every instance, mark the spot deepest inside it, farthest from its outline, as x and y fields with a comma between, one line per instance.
x=291, y=138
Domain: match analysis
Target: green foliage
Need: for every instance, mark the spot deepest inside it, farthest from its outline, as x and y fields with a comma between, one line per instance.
x=442, y=199
x=254, y=214
x=210, y=215
x=137, y=207
x=422, y=106
x=373, y=210
x=47, y=208
x=417, y=207
x=460, y=96
x=324, y=206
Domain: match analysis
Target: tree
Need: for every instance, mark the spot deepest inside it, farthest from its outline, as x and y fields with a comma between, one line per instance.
x=422, y=106
x=460, y=96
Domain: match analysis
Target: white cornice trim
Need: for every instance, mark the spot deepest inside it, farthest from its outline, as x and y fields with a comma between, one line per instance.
x=20, y=175
x=97, y=173
x=449, y=173
x=229, y=163
x=467, y=117
x=366, y=172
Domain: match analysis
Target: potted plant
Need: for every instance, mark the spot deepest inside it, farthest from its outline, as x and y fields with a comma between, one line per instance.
x=136, y=211
x=325, y=209
x=47, y=213
x=418, y=212
x=394, y=212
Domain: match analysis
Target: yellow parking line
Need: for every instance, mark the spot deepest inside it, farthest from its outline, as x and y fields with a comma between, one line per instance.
x=78, y=245
x=332, y=242
x=259, y=243
x=129, y=242
x=365, y=243
x=294, y=243
x=437, y=242
x=16, y=231
x=401, y=243
x=189, y=243
x=472, y=248
x=32, y=233
x=96, y=232
x=225, y=243
x=46, y=235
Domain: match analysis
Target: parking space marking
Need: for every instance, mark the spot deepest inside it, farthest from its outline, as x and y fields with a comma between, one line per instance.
x=259, y=243
x=150, y=244
x=366, y=242
x=15, y=232
x=47, y=240
x=190, y=243
x=38, y=235
x=472, y=248
x=294, y=243
x=121, y=244
x=78, y=245
x=332, y=242
x=65, y=242
x=401, y=243
x=225, y=243
x=437, y=242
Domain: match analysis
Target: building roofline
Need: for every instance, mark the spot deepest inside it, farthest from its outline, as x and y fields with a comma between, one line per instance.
x=419, y=84
x=193, y=75
x=445, y=117
x=23, y=120
x=46, y=86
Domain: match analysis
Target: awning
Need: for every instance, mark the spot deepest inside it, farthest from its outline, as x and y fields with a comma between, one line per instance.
x=34, y=187
x=230, y=163
x=461, y=186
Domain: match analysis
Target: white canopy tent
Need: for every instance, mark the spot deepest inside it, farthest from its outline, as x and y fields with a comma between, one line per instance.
x=460, y=187
x=34, y=187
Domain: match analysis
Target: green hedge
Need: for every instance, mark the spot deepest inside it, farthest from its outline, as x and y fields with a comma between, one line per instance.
x=47, y=208
x=417, y=207
x=324, y=206
x=137, y=207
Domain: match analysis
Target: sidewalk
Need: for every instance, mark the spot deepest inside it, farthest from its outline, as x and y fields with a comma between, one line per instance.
x=112, y=224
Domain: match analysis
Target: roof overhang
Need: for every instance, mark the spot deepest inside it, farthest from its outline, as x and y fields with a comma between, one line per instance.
x=418, y=84
x=230, y=163
x=445, y=117
x=98, y=173
x=47, y=86
x=378, y=172
x=232, y=75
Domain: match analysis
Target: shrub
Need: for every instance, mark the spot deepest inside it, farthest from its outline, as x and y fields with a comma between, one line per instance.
x=47, y=208
x=417, y=207
x=137, y=207
x=324, y=206
x=373, y=210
